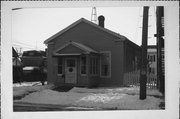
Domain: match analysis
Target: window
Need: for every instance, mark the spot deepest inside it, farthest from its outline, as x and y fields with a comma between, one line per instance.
x=83, y=65
x=152, y=58
x=94, y=65
x=105, y=64
x=70, y=63
x=60, y=65
x=151, y=70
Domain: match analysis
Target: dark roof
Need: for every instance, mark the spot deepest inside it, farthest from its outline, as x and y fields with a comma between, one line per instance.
x=88, y=22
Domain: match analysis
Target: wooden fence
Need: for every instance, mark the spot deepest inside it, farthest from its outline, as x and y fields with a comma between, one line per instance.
x=132, y=79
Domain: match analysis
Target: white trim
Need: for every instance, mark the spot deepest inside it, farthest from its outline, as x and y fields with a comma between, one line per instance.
x=80, y=46
x=62, y=47
x=56, y=54
x=83, y=47
x=109, y=76
x=62, y=31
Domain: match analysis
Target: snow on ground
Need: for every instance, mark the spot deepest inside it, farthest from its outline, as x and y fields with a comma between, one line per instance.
x=26, y=84
x=53, y=97
x=119, y=101
x=105, y=98
x=20, y=91
x=126, y=90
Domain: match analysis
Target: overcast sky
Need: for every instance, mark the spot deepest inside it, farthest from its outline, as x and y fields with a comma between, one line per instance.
x=31, y=27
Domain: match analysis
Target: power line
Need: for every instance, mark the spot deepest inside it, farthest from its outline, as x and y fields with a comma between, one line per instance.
x=23, y=44
x=27, y=45
x=137, y=24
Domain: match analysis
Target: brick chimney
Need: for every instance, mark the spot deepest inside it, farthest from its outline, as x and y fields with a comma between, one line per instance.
x=101, y=21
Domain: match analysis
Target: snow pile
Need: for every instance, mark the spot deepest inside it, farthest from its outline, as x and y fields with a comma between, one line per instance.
x=26, y=84
x=118, y=101
x=93, y=98
x=21, y=91
x=52, y=97
x=126, y=90
x=104, y=98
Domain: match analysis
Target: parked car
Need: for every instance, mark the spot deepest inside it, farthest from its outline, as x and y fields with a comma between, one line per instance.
x=34, y=65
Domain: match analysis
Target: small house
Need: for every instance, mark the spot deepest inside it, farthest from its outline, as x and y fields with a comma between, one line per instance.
x=87, y=54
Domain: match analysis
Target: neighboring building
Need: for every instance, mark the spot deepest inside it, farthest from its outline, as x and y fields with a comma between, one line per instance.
x=34, y=65
x=152, y=58
x=87, y=54
x=33, y=58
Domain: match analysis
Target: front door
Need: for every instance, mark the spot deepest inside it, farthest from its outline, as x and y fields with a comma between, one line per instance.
x=71, y=70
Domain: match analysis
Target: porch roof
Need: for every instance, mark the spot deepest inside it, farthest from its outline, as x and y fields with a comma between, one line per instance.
x=85, y=49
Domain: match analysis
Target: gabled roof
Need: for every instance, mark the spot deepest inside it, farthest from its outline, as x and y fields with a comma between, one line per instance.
x=83, y=47
x=88, y=22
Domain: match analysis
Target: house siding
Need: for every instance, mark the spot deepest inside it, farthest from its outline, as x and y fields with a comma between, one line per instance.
x=86, y=35
x=98, y=40
x=50, y=76
x=131, y=51
x=116, y=66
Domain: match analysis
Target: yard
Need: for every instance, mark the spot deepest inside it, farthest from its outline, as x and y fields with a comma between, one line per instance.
x=119, y=98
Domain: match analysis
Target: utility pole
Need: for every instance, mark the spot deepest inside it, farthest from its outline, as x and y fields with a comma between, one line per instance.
x=143, y=72
x=160, y=47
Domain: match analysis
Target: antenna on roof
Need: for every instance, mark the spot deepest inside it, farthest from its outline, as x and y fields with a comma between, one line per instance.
x=94, y=15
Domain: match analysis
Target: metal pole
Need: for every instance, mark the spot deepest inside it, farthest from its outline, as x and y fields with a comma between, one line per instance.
x=143, y=76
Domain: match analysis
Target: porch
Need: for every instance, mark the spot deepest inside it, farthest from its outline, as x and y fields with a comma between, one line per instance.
x=76, y=65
